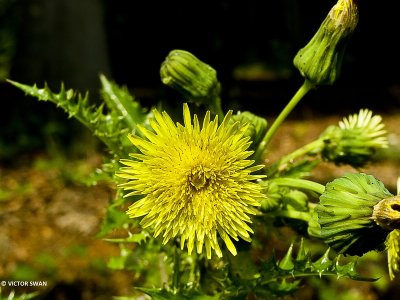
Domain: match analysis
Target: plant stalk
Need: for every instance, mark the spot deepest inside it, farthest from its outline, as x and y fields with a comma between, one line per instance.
x=301, y=92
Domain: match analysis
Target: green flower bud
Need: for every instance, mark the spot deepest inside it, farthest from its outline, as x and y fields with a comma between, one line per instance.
x=273, y=196
x=196, y=80
x=257, y=125
x=346, y=214
x=355, y=140
x=387, y=213
x=314, y=229
x=320, y=60
x=393, y=252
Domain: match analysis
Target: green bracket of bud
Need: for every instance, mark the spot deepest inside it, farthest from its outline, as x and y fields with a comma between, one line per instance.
x=345, y=214
x=355, y=140
x=320, y=60
x=257, y=126
x=194, y=79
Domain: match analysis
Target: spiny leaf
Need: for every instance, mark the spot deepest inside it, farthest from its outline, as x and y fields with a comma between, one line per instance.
x=111, y=127
x=302, y=253
x=287, y=262
x=284, y=287
x=323, y=264
x=119, y=100
x=281, y=277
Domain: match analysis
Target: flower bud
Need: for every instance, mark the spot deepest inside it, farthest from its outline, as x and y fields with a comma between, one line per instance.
x=320, y=60
x=387, y=213
x=354, y=140
x=393, y=253
x=196, y=80
x=257, y=126
x=346, y=214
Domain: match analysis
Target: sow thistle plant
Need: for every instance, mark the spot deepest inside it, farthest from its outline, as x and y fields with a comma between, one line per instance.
x=193, y=193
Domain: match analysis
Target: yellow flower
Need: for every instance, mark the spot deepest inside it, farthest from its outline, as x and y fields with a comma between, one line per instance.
x=196, y=181
x=355, y=140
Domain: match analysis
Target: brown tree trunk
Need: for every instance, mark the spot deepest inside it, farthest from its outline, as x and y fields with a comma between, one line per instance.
x=61, y=40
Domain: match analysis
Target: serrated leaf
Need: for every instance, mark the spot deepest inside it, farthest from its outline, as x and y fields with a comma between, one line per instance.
x=282, y=277
x=349, y=270
x=287, y=261
x=284, y=287
x=110, y=127
x=119, y=100
x=323, y=263
x=302, y=253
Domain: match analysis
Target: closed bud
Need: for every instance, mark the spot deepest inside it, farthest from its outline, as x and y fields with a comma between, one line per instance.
x=355, y=140
x=346, y=215
x=196, y=80
x=320, y=60
x=256, y=126
x=387, y=213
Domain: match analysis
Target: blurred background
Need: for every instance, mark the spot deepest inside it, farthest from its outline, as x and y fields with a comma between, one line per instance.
x=251, y=44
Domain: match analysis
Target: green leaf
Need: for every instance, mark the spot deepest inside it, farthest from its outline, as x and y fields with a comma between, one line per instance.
x=163, y=294
x=111, y=126
x=323, y=264
x=118, y=99
x=284, y=277
x=287, y=261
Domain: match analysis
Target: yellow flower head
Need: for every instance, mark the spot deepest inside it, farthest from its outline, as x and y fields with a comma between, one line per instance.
x=196, y=181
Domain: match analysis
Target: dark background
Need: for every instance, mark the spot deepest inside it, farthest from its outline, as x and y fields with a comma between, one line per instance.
x=73, y=41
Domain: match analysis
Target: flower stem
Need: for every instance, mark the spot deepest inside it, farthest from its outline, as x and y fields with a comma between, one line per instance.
x=300, y=183
x=176, y=277
x=216, y=107
x=293, y=214
x=302, y=91
x=313, y=147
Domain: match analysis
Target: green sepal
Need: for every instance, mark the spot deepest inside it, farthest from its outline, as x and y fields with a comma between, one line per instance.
x=257, y=126
x=345, y=214
x=321, y=59
x=194, y=79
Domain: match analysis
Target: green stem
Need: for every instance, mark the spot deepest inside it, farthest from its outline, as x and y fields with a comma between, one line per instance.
x=293, y=214
x=302, y=91
x=300, y=183
x=313, y=147
x=217, y=109
x=176, y=277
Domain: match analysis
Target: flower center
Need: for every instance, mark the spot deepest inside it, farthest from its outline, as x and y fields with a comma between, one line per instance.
x=197, y=177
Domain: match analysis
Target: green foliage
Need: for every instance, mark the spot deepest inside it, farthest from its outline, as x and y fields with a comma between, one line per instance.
x=13, y=296
x=165, y=271
x=289, y=196
x=111, y=124
x=274, y=278
x=283, y=277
